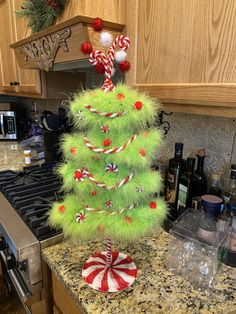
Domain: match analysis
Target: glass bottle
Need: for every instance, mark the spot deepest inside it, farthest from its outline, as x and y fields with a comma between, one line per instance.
x=175, y=168
x=201, y=187
x=215, y=183
x=187, y=184
x=229, y=191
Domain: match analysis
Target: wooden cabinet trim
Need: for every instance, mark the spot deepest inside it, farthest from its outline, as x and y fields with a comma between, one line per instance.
x=217, y=95
x=68, y=23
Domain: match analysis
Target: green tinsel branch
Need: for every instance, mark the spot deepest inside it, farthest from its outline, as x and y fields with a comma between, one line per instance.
x=41, y=13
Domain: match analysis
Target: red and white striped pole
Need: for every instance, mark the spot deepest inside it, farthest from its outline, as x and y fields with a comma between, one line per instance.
x=108, y=253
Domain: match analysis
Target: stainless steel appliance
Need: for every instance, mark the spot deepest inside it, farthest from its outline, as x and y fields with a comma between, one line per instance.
x=25, y=199
x=8, y=125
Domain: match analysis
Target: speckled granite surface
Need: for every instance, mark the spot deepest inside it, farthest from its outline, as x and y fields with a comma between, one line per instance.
x=11, y=156
x=156, y=290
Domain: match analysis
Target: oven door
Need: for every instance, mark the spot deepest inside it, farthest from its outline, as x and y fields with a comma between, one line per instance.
x=8, y=125
x=15, y=286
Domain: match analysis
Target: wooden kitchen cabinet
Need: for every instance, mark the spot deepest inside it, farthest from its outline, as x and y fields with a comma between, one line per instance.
x=112, y=10
x=13, y=79
x=8, y=61
x=183, y=53
x=62, y=301
x=30, y=80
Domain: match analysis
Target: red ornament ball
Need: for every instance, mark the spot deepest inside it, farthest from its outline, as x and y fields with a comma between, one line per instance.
x=100, y=68
x=138, y=105
x=72, y=150
x=78, y=175
x=86, y=48
x=61, y=208
x=153, y=205
x=107, y=142
x=97, y=24
x=124, y=66
x=94, y=193
x=142, y=152
x=120, y=96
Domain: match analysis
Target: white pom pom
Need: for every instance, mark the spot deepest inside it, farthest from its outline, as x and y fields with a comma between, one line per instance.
x=106, y=39
x=120, y=55
x=112, y=72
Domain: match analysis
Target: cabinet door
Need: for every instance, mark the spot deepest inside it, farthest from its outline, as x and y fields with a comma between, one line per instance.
x=112, y=10
x=29, y=80
x=185, y=53
x=8, y=61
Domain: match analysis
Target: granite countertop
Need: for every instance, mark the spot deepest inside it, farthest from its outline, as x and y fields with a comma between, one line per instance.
x=11, y=156
x=156, y=290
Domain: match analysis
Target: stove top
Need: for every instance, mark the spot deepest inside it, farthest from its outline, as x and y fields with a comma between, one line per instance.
x=31, y=192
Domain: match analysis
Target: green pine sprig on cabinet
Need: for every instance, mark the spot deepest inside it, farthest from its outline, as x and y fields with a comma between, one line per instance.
x=41, y=13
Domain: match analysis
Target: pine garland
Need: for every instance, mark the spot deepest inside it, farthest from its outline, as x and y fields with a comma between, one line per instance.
x=41, y=13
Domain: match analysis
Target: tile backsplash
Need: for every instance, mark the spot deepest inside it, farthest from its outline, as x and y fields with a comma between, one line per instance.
x=215, y=134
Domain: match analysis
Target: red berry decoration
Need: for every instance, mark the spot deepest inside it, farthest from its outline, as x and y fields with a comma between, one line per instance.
x=97, y=24
x=78, y=175
x=107, y=142
x=124, y=66
x=142, y=152
x=138, y=105
x=61, y=208
x=100, y=68
x=95, y=157
x=86, y=48
x=52, y=4
x=153, y=205
x=72, y=150
x=120, y=96
x=128, y=219
x=94, y=193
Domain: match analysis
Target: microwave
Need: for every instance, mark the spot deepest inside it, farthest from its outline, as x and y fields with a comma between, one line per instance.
x=8, y=126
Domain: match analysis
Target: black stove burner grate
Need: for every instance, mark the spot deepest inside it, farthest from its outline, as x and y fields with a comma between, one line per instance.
x=31, y=192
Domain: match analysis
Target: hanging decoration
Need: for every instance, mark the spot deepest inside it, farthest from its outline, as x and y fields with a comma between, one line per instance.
x=41, y=14
x=86, y=48
x=97, y=24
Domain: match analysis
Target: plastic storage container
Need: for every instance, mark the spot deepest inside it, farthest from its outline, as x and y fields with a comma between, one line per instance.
x=196, y=247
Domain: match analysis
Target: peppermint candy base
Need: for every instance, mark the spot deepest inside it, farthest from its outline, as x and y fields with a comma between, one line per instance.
x=118, y=276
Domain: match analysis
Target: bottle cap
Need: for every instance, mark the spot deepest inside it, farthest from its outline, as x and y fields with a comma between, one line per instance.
x=179, y=146
x=27, y=151
x=233, y=171
x=215, y=177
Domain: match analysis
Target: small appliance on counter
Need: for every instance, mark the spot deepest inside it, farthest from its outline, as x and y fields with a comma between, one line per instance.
x=8, y=125
x=196, y=247
x=53, y=125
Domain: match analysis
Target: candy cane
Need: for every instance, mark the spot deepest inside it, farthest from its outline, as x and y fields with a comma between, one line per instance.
x=98, y=56
x=105, y=114
x=118, y=212
x=123, y=42
x=112, y=187
x=109, y=151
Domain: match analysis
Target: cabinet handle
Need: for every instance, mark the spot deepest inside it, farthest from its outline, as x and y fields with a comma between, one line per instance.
x=15, y=83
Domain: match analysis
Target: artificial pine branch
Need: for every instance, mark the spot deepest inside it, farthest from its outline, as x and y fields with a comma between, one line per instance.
x=41, y=13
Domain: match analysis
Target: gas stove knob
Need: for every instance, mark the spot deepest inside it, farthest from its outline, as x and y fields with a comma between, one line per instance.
x=11, y=262
x=3, y=244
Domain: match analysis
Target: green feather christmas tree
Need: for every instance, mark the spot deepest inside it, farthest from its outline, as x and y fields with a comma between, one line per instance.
x=107, y=172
